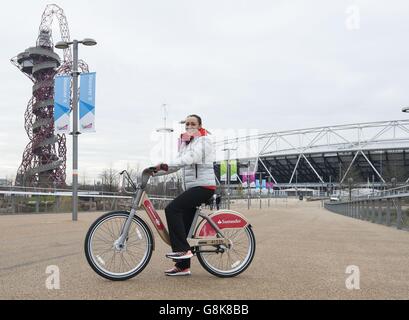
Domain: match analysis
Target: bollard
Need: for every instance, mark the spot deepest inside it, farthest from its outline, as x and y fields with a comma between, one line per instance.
x=368, y=211
x=37, y=204
x=57, y=204
x=388, y=212
x=359, y=210
x=373, y=211
x=13, y=203
x=380, y=211
x=268, y=198
x=398, y=214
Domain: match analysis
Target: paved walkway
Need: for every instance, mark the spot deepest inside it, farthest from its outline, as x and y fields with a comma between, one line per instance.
x=302, y=253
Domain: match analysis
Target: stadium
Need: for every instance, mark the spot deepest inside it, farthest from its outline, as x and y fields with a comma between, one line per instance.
x=366, y=155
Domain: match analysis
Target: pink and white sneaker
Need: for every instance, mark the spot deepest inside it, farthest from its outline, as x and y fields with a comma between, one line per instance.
x=180, y=255
x=175, y=271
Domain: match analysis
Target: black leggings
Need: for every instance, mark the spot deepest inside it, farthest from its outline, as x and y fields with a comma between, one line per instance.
x=179, y=216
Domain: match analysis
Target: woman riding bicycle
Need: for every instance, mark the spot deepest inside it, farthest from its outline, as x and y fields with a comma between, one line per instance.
x=195, y=158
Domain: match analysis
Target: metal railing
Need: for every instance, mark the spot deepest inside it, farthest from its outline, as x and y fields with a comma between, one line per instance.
x=388, y=207
x=37, y=200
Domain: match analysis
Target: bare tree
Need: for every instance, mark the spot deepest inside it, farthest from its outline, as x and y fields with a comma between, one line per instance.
x=83, y=181
x=134, y=172
x=110, y=180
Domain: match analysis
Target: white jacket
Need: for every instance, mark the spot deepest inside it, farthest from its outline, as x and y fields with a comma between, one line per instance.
x=196, y=159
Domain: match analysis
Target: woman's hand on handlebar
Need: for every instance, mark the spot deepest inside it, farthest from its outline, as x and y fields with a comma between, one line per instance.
x=159, y=167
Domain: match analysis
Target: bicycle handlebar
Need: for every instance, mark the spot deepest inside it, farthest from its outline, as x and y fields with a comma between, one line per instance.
x=128, y=177
x=150, y=171
x=163, y=167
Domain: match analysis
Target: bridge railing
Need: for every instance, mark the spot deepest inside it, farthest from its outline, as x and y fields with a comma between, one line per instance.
x=36, y=200
x=388, y=207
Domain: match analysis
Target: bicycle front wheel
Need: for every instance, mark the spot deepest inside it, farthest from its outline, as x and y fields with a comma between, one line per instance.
x=232, y=260
x=106, y=259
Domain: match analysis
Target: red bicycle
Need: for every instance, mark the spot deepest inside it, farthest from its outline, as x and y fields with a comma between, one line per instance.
x=119, y=244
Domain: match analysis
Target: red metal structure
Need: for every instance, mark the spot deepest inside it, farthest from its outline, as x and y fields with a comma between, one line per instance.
x=44, y=159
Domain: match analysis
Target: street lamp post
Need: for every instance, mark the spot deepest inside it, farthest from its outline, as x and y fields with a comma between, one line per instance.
x=269, y=186
x=296, y=183
x=260, y=186
x=75, y=133
x=248, y=185
x=164, y=130
x=228, y=174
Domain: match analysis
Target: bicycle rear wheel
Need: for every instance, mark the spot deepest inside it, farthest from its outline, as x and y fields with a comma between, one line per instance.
x=113, y=263
x=232, y=260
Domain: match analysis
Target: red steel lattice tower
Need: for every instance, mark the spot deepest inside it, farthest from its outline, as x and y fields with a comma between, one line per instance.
x=44, y=158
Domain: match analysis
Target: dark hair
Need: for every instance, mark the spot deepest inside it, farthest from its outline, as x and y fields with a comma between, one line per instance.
x=197, y=117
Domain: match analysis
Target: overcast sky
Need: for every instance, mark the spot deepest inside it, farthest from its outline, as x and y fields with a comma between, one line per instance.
x=244, y=65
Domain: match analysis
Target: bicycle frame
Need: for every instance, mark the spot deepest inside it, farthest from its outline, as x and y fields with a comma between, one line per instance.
x=141, y=199
x=163, y=232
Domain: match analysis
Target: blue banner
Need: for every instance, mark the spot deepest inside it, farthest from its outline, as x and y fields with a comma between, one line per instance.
x=62, y=101
x=264, y=185
x=257, y=184
x=87, y=102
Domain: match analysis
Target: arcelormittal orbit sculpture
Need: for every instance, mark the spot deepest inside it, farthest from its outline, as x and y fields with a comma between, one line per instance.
x=44, y=159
